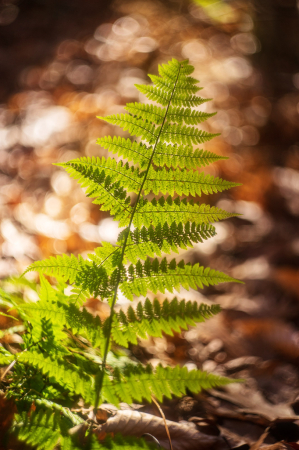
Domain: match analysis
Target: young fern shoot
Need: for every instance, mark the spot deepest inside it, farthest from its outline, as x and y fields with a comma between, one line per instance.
x=160, y=218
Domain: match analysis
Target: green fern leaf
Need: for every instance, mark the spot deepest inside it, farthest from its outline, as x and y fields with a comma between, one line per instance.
x=65, y=267
x=190, y=117
x=169, y=210
x=165, y=163
x=150, y=113
x=153, y=241
x=136, y=152
x=153, y=319
x=138, y=383
x=80, y=322
x=83, y=273
x=159, y=276
x=99, y=175
x=145, y=130
x=163, y=96
x=182, y=134
x=40, y=429
x=183, y=156
x=183, y=182
x=65, y=374
x=181, y=86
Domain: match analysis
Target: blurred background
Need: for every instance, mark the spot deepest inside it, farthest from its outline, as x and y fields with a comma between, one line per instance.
x=62, y=62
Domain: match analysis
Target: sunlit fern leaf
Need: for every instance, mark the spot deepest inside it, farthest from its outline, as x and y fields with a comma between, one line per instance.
x=160, y=276
x=183, y=134
x=163, y=97
x=154, y=318
x=47, y=294
x=184, y=182
x=72, y=418
x=190, y=117
x=147, y=112
x=170, y=155
x=153, y=241
x=160, y=161
x=139, y=383
x=5, y=357
x=39, y=429
x=80, y=322
x=136, y=127
x=183, y=156
x=107, y=255
x=182, y=86
x=65, y=374
x=82, y=273
x=134, y=151
x=65, y=267
x=169, y=210
x=101, y=185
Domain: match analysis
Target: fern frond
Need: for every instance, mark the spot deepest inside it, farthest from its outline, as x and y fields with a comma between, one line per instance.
x=184, y=182
x=169, y=155
x=183, y=156
x=163, y=96
x=182, y=86
x=138, y=383
x=67, y=375
x=153, y=226
x=152, y=241
x=153, y=319
x=5, y=357
x=65, y=267
x=136, y=152
x=73, y=418
x=104, y=181
x=106, y=255
x=190, y=117
x=145, y=130
x=159, y=276
x=41, y=429
x=169, y=210
x=182, y=134
x=150, y=113
x=78, y=271
x=80, y=322
x=174, y=70
x=102, y=171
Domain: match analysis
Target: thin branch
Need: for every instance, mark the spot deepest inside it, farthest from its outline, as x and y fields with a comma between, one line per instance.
x=165, y=423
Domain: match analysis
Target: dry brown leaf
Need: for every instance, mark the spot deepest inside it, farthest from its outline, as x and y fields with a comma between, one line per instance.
x=252, y=402
x=183, y=437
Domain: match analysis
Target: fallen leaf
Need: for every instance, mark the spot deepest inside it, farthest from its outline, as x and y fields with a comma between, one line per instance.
x=183, y=437
x=251, y=401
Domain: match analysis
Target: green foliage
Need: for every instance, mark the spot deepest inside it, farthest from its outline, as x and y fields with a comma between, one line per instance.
x=138, y=383
x=67, y=353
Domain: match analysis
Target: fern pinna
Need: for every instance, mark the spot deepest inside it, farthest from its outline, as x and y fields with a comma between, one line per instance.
x=67, y=352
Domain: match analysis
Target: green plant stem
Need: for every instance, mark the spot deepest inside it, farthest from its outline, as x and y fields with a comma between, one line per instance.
x=100, y=385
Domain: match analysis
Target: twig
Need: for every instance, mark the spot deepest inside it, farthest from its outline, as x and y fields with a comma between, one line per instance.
x=165, y=423
x=7, y=369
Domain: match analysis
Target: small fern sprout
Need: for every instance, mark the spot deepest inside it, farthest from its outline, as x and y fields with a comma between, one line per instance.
x=153, y=192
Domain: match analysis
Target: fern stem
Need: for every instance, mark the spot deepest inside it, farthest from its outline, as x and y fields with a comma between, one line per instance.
x=102, y=374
